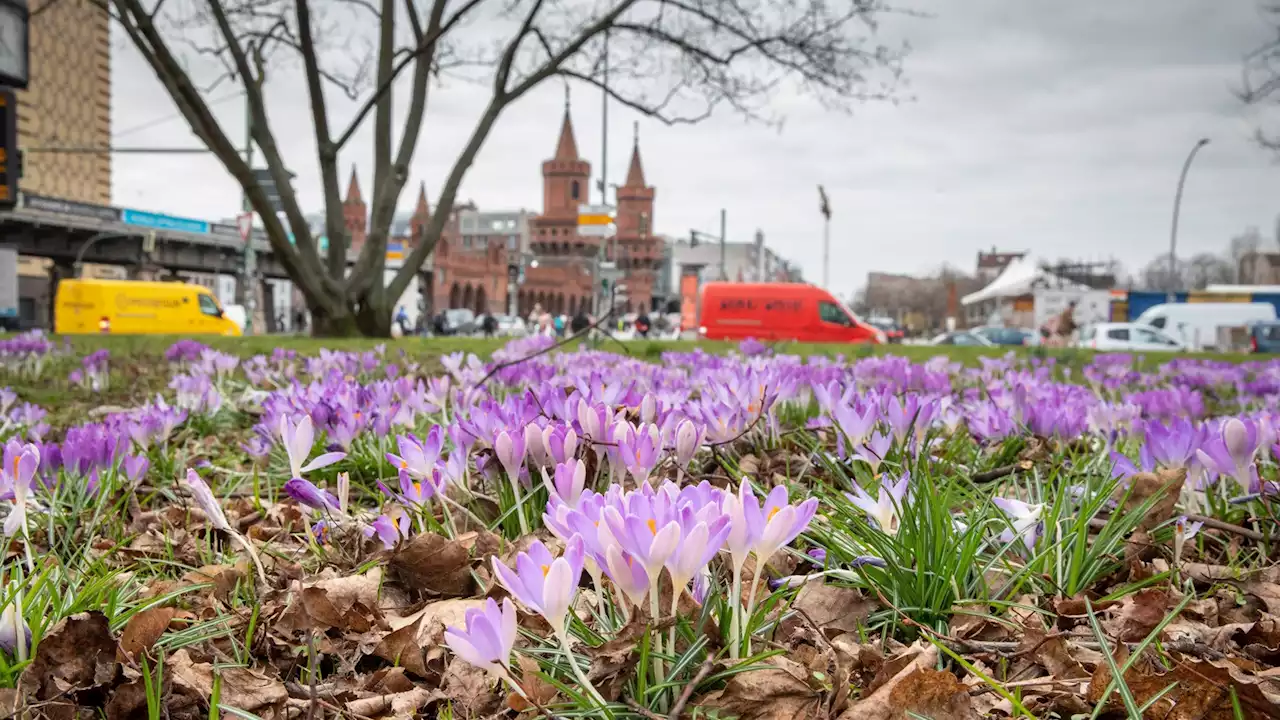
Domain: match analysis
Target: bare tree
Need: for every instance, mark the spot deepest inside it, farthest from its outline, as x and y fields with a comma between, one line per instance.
x=1246, y=243
x=1206, y=269
x=1260, y=75
x=1157, y=274
x=673, y=60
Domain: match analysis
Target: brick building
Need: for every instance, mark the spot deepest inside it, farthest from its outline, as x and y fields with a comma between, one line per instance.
x=472, y=265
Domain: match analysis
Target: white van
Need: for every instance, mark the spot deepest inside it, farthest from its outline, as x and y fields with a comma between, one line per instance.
x=1196, y=324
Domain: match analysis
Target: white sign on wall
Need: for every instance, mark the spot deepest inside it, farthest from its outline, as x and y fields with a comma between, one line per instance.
x=1092, y=306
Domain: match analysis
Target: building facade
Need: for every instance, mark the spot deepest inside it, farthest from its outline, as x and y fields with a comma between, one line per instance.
x=68, y=102
x=499, y=262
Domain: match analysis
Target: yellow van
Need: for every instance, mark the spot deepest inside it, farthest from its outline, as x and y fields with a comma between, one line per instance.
x=127, y=307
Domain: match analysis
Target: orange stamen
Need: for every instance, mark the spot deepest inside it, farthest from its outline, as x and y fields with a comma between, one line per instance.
x=653, y=527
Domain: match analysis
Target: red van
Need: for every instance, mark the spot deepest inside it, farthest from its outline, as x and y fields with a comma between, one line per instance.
x=779, y=311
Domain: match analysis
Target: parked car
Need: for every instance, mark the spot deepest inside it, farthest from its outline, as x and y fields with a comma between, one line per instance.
x=1195, y=325
x=1127, y=337
x=460, y=321
x=1264, y=337
x=892, y=331
x=963, y=338
x=997, y=335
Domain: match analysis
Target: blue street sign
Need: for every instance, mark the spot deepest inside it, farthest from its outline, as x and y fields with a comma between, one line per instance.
x=163, y=222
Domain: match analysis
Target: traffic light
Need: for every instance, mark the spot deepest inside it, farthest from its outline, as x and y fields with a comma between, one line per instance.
x=693, y=238
x=10, y=159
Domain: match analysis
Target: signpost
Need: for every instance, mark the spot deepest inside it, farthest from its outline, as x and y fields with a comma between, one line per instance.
x=596, y=221
x=244, y=223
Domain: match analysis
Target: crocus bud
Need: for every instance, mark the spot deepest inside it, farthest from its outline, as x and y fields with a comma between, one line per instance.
x=1235, y=435
x=687, y=441
x=819, y=555
x=12, y=626
x=510, y=452
x=648, y=408
x=536, y=445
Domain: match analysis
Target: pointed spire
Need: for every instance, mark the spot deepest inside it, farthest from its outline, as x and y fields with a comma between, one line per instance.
x=635, y=173
x=422, y=209
x=567, y=148
x=353, y=189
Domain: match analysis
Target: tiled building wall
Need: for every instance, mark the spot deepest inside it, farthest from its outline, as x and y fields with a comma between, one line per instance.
x=68, y=103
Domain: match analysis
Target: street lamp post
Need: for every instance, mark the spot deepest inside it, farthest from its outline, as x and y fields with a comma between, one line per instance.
x=1177, y=207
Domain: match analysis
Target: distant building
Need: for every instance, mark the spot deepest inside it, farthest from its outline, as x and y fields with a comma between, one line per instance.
x=1259, y=267
x=991, y=264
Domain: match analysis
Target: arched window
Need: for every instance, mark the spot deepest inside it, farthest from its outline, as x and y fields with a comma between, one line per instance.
x=573, y=190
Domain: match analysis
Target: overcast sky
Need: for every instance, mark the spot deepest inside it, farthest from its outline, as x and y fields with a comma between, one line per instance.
x=1058, y=128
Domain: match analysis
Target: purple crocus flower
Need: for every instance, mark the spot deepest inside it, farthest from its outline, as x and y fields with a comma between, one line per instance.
x=776, y=523
x=544, y=584
x=639, y=451
x=627, y=574
x=135, y=467
x=298, y=441
x=644, y=536
x=1173, y=445
x=874, y=450
x=569, y=481
x=509, y=448
x=1232, y=453
x=390, y=528
x=306, y=493
x=417, y=458
x=855, y=426
x=207, y=502
x=21, y=473
x=697, y=545
x=883, y=510
x=487, y=638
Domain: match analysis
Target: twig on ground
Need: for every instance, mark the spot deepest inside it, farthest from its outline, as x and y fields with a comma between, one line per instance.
x=642, y=710
x=1228, y=527
x=997, y=473
x=687, y=693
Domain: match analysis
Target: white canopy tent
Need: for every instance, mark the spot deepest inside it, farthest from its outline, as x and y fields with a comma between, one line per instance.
x=1020, y=277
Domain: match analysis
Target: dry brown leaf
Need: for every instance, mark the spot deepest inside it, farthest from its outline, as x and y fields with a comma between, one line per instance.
x=142, y=631
x=468, y=688
x=1052, y=654
x=1164, y=485
x=934, y=694
x=241, y=687
x=1139, y=614
x=541, y=691
x=404, y=704
x=1267, y=592
x=315, y=601
x=435, y=565
x=877, y=705
x=76, y=655
x=400, y=647
x=1200, y=689
x=778, y=691
x=835, y=610
x=346, y=591
x=893, y=666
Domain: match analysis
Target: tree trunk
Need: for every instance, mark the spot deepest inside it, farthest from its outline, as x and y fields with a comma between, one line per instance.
x=373, y=317
x=329, y=325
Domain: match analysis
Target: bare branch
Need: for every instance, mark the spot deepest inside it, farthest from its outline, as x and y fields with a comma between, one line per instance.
x=385, y=87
